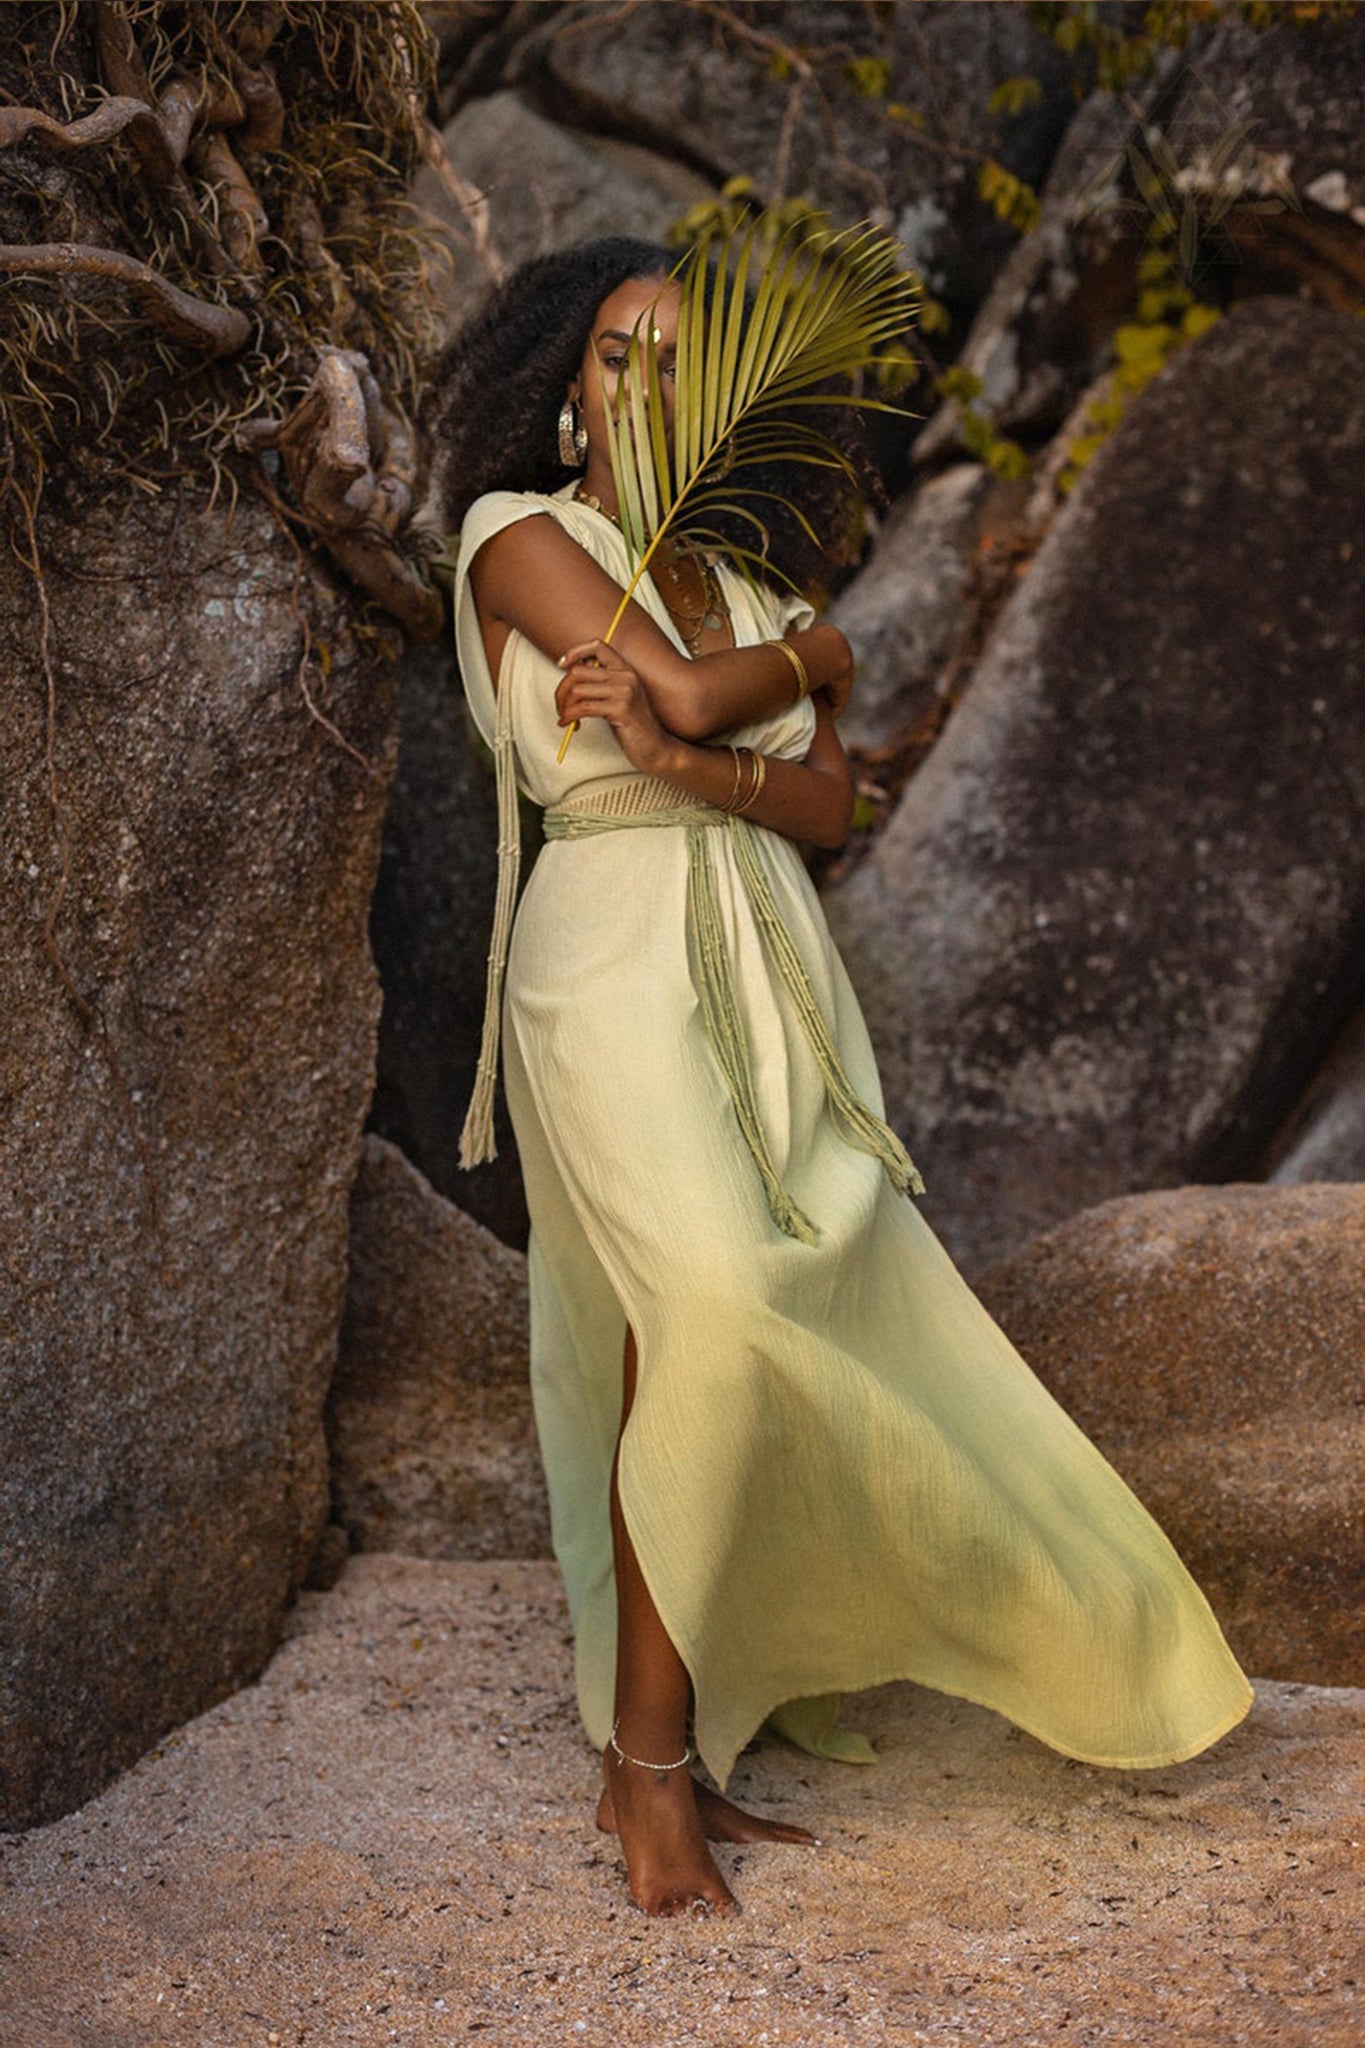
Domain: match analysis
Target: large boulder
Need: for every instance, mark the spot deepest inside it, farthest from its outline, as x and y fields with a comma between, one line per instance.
x=534, y=186
x=189, y=1007
x=433, y=1442
x=429, y=925
x=905, y=613
x=861, y=111
x=1211, y=1341
x=1117, y=917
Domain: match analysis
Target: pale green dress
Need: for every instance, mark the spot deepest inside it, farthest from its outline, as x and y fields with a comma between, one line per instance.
x=838, y=1471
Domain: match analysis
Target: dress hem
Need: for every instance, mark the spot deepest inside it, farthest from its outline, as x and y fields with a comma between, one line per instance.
x=1152, y=1762
x=900, y=1675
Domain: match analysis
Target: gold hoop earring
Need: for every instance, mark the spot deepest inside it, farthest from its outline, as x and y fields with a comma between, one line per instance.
x=573, y=436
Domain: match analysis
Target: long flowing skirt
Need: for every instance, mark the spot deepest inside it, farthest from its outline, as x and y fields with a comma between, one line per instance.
x=838, y=1470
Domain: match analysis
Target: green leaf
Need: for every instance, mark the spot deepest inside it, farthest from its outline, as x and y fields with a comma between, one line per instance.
x=823, y=303
x=1150, y=186
x=869, y=76
x=960, y=382
x=1009, y=197
x=1197, y=320
x=1135, y=344
x=1014, y=95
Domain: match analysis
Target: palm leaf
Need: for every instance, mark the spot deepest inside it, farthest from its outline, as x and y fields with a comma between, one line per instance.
x=820, y=309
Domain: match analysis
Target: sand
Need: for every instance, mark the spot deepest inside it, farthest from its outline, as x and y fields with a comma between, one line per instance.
x=389, y=1840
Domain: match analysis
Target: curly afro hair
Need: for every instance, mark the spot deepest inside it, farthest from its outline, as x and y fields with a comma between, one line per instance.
x=491, y=419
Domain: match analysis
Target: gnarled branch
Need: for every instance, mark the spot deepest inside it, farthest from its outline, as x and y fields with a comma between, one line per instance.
x=21, y=124
x=351, y=462
x=221, y=330
x=160, y=147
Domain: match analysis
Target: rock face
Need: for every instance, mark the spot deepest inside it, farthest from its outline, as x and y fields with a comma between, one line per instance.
x=429, y=926
x=545, y=187
x=1299, y=93
x=1290, y=199
x=1324, y=1139
x=433, y=1443
x=905, y=614
x=1119, y=913
x=867, y=112
x=1044, y=326
x=1211, y=1342
x=572, y=123
x=188, y=1036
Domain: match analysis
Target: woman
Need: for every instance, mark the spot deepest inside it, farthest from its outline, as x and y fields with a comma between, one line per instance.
x=789, y=1454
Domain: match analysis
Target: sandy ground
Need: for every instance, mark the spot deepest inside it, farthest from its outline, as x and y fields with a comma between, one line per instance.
x=389, y=1840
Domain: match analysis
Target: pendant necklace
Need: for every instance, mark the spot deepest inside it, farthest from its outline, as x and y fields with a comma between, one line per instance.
x=690, y=619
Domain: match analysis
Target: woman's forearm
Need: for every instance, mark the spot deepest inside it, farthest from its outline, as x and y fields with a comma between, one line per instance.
x=736, y=685
x=811, y=805
x=809, y=800
x=531, y=576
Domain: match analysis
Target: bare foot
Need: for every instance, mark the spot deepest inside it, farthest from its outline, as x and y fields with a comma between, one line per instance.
x=669, y=1866
x=721, y=1820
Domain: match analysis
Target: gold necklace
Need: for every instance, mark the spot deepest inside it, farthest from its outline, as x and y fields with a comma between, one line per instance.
x=587, y=498
x=691, y=620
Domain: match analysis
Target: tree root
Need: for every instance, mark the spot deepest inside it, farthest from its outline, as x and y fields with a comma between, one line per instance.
x=351, y=463
x=221, y=330
x=22, y=124
x=349, y=456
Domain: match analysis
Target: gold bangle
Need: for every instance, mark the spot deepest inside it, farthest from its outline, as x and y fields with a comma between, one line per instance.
x=760, y=777
x=739, y=770
x=760, y=762
x=802, y=678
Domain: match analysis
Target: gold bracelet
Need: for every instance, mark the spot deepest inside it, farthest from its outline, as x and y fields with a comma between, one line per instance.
x=802, y=678
x=760, y=762
x=739, y=770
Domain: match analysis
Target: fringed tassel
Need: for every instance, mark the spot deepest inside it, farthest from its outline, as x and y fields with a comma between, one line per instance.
x=860, y=1126
x=476, y=1139
x=720, y=1008
x=725, y=1029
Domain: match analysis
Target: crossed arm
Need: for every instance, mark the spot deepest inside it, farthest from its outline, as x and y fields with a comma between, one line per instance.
x=662, y=706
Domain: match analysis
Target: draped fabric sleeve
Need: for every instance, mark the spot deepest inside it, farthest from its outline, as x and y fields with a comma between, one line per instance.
x=486, y=516
x=492, y=712
x=793, y=610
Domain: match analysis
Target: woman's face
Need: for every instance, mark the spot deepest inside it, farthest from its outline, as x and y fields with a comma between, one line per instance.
x=633, y=308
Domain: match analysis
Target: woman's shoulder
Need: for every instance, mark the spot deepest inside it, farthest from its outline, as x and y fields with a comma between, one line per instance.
x=500, y=508
x=495, y=510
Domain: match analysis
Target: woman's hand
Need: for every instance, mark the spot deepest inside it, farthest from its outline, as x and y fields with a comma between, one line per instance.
x=599, y=682
x=809, y=800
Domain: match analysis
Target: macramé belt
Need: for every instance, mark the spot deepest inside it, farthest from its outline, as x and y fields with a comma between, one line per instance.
x=624, y=803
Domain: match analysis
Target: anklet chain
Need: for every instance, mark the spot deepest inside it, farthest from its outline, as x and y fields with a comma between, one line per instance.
x=639, y=1761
